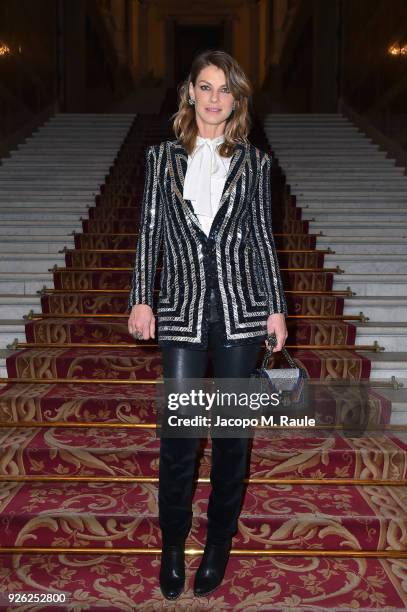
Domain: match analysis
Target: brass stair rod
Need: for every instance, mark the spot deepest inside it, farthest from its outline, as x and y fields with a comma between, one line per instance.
x=108, y=315
x=118, y=425
x=75, y=233
x=47, y=290
x=81, y=250
x=56, y=268
x=205, y=480
x=139, y=381
x=253, y=552
x=330, y=347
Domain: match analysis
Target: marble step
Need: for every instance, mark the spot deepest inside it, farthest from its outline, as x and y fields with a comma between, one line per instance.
x=60, y=228
x=38, y=193
x=362, y=244
x=14, y=306
x=22, y=183
x=372, y=284
x=386, y=364
x=383, y=215
x=315, y=154
x=346, y=198
x=108, y=124
x=95, y=129
x=307, y=119
x=359, y=202
x=92, y=154
x=341, y=142
x=381, y=372
x=321, y=164
x=358, y=228
x=378, y=308
x=43, y=174
x=290, y=130
x=87, y=125
x=109, y=136
x=109, y=149
x=91, y=118
x=295, y=120
x=36, y=244
x=398, y=398
x=25, y=283
x=347, y=144
x=29, y=215
x=391, y=171
x=68, y=139
x=330, y=151
x=330, y=205
x=29, y=262
x=18, y=188
x=391, y=335
x=322, y=192
x=48, y=199
x=47, y=209
x=80, y=132
x=286, y=131
x=10, y=329
x=368, y=263
x=350, y=173
x=71, y=165
x=346, y=183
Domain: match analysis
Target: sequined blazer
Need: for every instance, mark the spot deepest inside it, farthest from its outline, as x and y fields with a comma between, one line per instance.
x=237, y=260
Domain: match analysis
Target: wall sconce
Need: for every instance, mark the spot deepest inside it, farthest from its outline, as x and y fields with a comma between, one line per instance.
x=397, y=50
x=4, y=49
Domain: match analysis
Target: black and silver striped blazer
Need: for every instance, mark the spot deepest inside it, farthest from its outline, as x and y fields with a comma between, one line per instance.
x=238, y=258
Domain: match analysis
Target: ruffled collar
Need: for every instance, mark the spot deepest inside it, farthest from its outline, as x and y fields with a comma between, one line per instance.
x=204, y=165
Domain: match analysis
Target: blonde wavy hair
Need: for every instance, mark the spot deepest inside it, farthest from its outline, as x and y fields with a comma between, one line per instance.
x=237, y=125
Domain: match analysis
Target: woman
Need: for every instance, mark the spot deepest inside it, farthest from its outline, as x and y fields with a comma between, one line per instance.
x=207, y=202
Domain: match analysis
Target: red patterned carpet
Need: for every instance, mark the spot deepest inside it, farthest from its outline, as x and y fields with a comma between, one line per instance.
x=125, y=583
x=69, y=341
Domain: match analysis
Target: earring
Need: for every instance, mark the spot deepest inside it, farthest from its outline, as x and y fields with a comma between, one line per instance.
x=191, y=101
x=233, y=106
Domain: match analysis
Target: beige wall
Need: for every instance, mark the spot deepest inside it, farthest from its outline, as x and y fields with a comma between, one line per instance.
x=27, y=84
x=110, y=45
x=156, y=60
x=374, y=82
x=250, y=32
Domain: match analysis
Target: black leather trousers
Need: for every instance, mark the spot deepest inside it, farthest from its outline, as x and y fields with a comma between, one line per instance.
x=229, y=455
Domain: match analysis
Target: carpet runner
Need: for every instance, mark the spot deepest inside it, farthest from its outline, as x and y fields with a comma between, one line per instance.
x=81, y=335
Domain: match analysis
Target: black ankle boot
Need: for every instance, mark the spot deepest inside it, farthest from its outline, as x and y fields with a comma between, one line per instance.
x=211, y=570
x=172, y=570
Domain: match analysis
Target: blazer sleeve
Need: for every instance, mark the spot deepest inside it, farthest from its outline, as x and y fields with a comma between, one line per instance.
x=264, y=240
x=150, y=235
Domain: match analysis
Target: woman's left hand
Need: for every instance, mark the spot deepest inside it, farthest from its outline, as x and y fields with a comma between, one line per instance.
x=276, y=324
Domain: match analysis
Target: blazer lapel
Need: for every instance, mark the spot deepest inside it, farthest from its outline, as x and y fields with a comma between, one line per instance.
x=178, y=169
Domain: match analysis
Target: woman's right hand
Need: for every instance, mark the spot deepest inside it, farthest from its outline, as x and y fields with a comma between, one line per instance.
x=142, y=319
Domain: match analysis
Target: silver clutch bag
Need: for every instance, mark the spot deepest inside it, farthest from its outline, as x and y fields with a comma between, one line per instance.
x=290, y=383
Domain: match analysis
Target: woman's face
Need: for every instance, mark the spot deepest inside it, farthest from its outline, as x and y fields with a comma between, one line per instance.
x=213, y=100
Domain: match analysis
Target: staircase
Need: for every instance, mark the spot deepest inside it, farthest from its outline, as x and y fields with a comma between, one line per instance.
x=46, y=187
x=355, y=198
x=324, y=516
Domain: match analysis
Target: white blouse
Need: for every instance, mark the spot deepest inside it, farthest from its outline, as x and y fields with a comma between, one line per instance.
x=205, y=179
